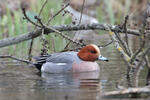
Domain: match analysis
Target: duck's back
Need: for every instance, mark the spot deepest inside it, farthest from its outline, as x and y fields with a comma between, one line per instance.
x=64, y=57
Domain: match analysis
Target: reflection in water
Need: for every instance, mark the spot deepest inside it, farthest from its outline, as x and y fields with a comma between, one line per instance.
x=84, y=86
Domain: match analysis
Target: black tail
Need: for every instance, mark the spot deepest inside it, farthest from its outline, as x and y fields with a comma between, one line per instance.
x=39, y=60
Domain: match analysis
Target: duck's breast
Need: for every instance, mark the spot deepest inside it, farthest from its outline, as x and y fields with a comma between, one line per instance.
x=85, y=66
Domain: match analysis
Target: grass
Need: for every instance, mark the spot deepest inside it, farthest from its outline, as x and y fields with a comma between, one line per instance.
x=110, y=11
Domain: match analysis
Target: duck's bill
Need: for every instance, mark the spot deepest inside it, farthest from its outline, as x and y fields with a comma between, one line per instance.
x=102, y=58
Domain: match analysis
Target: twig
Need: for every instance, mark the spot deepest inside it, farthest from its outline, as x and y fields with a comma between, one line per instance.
x=40, y=22
x=49, y=20
x=81, y=11
x=125, y=28
x=80, y=19
x=123, y=44
x=66, y=37
x=78, y=24
x=133, y=58
x=26, y=17
x=43, y=5
x=18, y=59
x=30, y=49
x=75, y=49
x=142, y=40
x=105, y=45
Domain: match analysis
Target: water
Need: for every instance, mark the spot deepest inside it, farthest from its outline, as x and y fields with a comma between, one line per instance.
x=21, y=82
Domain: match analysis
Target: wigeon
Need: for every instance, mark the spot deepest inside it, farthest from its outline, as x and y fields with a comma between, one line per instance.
x=65, y=62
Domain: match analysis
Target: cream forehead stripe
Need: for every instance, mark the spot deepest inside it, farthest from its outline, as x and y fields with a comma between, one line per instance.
x=97, y=49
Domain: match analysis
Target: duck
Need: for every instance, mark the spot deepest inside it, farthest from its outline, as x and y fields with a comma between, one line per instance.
x=71, y=61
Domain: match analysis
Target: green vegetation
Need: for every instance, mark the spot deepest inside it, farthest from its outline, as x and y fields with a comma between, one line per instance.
x=14, y=25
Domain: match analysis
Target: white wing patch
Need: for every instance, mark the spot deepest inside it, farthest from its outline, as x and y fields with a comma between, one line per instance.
x=59, y=64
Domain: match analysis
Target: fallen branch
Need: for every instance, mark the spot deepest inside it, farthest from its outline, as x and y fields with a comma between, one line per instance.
x=128, y=93
x=37, y=32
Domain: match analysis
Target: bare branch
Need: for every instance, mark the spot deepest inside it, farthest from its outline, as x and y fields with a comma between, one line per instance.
x=125, y=28
x=18, y=59
x=37, y=32
x=124, y=44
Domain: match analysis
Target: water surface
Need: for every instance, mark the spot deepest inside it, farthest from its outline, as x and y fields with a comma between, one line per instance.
x=22, y=82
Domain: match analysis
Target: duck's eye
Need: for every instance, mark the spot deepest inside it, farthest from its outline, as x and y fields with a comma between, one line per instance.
x=93, y=51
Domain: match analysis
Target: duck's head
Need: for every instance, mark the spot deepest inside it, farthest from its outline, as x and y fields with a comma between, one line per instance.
x=91, y=53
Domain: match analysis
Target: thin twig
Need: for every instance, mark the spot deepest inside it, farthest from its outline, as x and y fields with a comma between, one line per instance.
x=105, y=45
x=133, y=58
x=142, y=41
x=18, y=59
x=40, y=22
x=26, y=17
x=49, y=20
x=66, y=37
x=81, y=11
x=80, y=19
x=78, y=24
x=43, y=5
x=75, y=49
